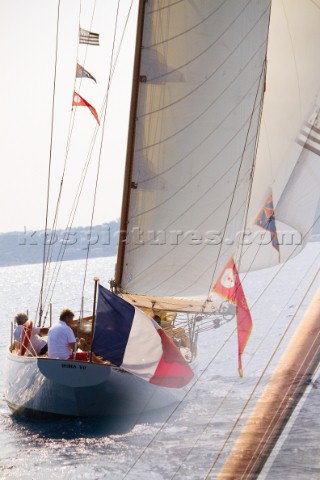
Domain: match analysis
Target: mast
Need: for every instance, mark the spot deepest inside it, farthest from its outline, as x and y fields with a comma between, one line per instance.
x=278, y=400
x=130, y=145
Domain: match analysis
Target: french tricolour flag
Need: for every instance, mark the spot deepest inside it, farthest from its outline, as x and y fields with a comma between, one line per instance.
x=130, y=339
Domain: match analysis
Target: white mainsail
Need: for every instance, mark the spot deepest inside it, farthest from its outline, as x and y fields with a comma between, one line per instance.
x=202, y=78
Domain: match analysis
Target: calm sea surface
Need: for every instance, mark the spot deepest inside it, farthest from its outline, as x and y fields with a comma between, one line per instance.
x=183, y=441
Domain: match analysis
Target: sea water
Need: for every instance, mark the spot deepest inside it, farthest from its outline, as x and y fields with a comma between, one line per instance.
x=183, y=441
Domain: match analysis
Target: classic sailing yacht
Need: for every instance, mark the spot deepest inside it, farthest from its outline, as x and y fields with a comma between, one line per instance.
x=196, y=106
x=199, y=81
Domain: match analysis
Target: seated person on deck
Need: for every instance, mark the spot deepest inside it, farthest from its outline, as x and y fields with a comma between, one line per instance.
x=36, y=345
x=62, y=341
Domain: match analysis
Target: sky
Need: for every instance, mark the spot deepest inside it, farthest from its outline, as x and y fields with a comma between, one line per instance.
x=28, y=49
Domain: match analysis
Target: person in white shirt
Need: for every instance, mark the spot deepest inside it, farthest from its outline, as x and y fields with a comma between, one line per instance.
x=61, y=339
x=36, y=345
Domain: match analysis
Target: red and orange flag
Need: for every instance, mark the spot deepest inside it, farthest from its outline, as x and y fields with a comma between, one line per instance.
x=229, y=286
x=78, y=101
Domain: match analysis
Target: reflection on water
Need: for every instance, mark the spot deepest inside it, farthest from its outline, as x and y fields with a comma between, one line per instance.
x=180, y=442
x=58, y=427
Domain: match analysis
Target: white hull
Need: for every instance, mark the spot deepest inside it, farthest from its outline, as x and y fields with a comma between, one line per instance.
x=42, y=386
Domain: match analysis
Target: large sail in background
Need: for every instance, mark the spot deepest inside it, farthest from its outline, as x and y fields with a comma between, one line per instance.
x=288, y=162
x=202, y=78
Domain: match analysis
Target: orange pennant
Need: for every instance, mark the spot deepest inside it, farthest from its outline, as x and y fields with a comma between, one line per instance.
x=229, y=286
x=78, y=101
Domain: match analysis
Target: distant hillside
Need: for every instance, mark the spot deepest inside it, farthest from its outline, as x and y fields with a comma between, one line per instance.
x=18, y=248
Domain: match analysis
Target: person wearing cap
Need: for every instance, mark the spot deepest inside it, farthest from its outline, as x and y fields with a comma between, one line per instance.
x=36, y=345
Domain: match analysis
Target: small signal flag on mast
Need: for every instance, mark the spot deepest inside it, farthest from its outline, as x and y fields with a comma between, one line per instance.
x=81, y=72
x=88, y=38
x=78, y=101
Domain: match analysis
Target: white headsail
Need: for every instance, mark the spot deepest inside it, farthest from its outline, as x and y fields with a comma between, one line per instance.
x=288, y=163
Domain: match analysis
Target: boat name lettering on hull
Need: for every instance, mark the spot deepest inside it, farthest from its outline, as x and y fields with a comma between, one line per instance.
x=67, y=365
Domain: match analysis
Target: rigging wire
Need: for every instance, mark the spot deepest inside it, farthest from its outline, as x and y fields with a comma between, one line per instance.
x=66, y=235
x=220, y=402
x=70, y=131
x=283, y=264
x=305, y=274
x=100, y=152
x=207, y=164
x=40, y=305
x=162, y=427
x=203, y=112
x=293, y=252
x=204, y=167
x=176, y=408
x=263, y=72
x=167, y=199
x=129, y=12
x=256, y=301
x=265, y=439
x=295, y=384
x=178, y=293
x=55, y=220
x=63, y=245
x=252, y=357
x=213, y=360
x=68, y=229
x=245, y=219
x=264, y=371
x=262, y=76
